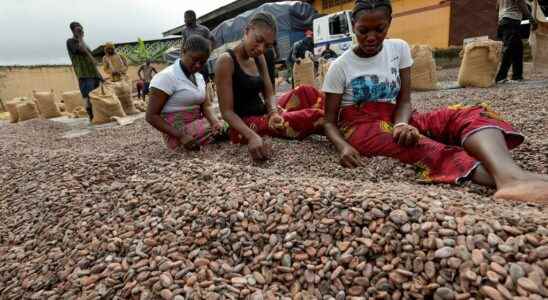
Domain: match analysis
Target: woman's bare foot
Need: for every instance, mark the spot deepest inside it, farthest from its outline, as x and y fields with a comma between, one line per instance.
x=534, y=192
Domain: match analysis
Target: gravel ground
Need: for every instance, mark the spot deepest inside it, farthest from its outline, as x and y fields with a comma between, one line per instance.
x=113, y=214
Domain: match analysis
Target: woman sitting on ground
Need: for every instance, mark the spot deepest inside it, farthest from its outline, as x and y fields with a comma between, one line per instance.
x=179, y=106
x=242, y=77
x=369, y=112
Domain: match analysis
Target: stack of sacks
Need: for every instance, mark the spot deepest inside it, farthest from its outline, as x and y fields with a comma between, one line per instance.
x=47, y=104
x=423, y=72
x=105, y=105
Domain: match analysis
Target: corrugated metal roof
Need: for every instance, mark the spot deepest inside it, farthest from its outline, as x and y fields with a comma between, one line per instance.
x=128, y=46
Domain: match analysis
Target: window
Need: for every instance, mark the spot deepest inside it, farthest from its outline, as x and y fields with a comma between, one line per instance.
x=332, y=3
x=338, y=24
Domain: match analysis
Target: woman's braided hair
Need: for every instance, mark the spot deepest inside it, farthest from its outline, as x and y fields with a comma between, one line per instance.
x=265, y=19
x=365, y=5
x=197, y=43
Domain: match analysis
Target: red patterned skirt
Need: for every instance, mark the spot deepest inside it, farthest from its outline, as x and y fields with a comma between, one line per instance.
x=192, y=121
x=302, y=111
x=439, y=156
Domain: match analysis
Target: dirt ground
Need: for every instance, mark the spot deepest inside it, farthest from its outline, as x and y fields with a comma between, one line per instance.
x=114, y=213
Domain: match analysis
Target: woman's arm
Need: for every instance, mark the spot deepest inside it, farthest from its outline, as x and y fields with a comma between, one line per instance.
x=404, y=134
x=207, y=108
x=404, y=109
x=157, y=101
x=224, y=69
x=275, y=120
x=350, y=158
x=268, y=90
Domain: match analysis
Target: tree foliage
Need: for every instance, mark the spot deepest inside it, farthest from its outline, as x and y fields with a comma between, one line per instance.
x=140, y=54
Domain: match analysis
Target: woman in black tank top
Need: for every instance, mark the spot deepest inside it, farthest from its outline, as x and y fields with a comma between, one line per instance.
x=246, y=94
x=247, y=88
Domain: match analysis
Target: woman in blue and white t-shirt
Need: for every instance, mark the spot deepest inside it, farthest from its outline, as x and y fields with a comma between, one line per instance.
x=178, y=105
x=369, y=112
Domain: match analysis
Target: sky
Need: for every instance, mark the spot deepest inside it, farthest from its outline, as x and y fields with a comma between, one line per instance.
x=35, y=31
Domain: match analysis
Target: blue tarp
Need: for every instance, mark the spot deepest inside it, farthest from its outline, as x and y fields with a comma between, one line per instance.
x=290, y=16
x=293, y=19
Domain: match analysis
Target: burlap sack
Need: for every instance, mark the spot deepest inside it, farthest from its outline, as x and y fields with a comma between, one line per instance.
x=105, y=105
x=303, y=73
x=79, y=112
x=122, y=89
x=73, y=100
x=11, y=107
x=141, y=105
x=539, y=48
x=480, y=64
x=47, y=104
x=322, y=71
x=211, y=91
x=27, y=110
x=424, y=75
x=62, y=107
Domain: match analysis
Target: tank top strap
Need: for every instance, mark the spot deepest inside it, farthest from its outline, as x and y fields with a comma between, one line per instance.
x=258, y=63
x=232, y=54
x=237, y=68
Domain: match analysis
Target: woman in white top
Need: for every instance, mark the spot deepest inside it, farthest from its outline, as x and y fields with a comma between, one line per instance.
x=369, y=113
x=179, y=106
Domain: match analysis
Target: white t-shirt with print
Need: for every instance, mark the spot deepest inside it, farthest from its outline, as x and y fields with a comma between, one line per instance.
x=372, y=79
x=182, y=92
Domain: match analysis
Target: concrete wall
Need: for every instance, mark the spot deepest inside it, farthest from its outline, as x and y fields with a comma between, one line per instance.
x=132, y=71
x=21, y=81
x=416, y=21
x=422, y=22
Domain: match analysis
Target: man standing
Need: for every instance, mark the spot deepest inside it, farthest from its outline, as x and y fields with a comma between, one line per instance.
x=300, y=48
x=511, y=12
x=192, y=28
x=84, y=64
x=145, y=73
x=328, y=54
x=114, y=64
x=298, y=52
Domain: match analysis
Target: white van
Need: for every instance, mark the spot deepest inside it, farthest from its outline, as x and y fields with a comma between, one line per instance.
x=334, y=29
